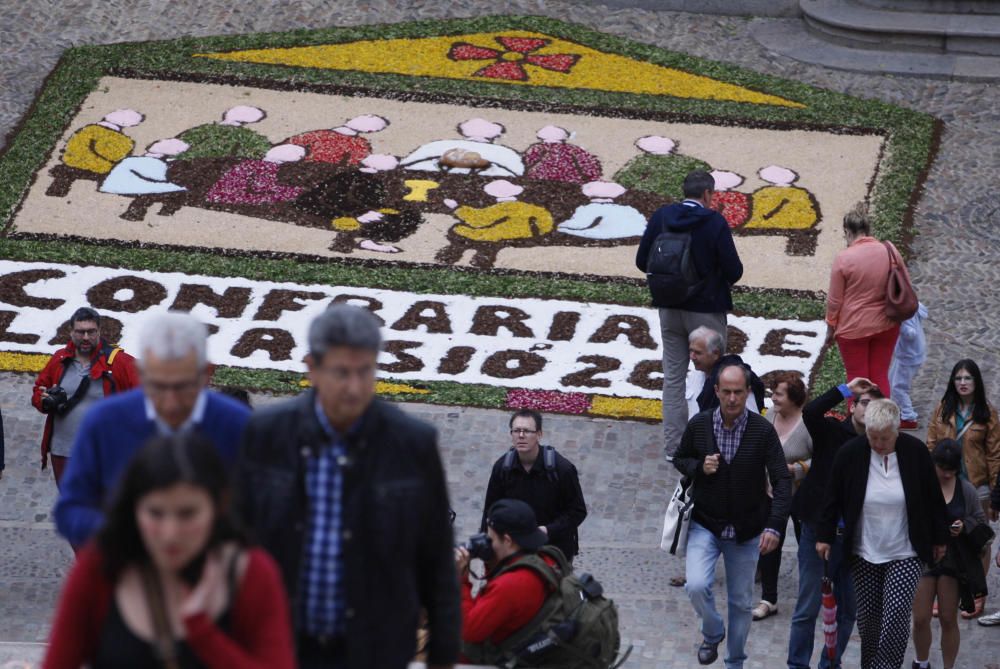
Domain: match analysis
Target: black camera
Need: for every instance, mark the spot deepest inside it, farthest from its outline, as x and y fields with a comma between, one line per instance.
x=479, y=546
x=57, y=401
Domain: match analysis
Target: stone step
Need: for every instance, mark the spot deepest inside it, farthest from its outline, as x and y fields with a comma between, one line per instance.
x=850, y=23
x=791, y=39
x=940, y=6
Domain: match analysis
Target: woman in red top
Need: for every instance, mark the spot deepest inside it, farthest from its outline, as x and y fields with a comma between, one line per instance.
x=168, y=539
x=855, y=303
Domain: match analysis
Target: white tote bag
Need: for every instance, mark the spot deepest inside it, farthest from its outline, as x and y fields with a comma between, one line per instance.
x=677, y=520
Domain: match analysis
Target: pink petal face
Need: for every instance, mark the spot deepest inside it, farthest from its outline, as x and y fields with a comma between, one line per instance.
x=285, y=153
x=726, y=180
x=169, y=147
x=502, y=188
x=658, y=146
x=603, y=189
x=380, y=161
x=480, y=128
x=243, y=114
x=777, y=175
x=125, y=118
x=367, y=123
x=552, y=133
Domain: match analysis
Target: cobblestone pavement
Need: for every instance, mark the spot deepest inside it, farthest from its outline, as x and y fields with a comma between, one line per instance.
x=623, y=475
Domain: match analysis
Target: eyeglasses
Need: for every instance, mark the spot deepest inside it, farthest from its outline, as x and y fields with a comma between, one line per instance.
x=183, y=388
x=522, y=431
x=964, y=378
x=86, y=333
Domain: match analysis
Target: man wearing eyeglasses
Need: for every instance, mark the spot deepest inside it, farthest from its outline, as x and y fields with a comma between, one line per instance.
x=542, y=478
x=75, y=377
x=172, y=399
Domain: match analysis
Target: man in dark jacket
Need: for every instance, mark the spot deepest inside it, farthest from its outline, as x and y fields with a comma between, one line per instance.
x=718, y=267
x=348, y=494
x=729, y=454
x=542, y=478
x=828, y=435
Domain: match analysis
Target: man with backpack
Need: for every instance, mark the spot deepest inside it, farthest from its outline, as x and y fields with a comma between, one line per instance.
x=691, y=262
x=543, y=479
x=533, y=610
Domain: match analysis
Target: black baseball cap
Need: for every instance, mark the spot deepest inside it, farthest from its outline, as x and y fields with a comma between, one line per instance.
x=516, y=518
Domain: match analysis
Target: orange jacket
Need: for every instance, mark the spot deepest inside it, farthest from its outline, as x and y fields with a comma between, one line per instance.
x=980, y=445
x=112, y=365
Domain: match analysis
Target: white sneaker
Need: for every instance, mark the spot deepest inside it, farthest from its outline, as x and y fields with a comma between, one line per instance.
x=990, y=620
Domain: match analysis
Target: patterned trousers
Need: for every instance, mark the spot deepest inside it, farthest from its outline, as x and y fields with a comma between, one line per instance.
x=884, y=595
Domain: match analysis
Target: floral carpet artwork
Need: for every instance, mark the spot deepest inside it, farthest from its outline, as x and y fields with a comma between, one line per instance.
x=481, y=185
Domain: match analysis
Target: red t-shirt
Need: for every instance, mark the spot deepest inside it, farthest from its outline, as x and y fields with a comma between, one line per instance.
x=506, y=604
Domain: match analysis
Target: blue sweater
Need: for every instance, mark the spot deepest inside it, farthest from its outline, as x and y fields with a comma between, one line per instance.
x=112, y=431
x=712, y=249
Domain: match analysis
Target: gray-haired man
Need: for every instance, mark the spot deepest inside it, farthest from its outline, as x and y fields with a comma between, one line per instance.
x=172, y=398
x=348, y=494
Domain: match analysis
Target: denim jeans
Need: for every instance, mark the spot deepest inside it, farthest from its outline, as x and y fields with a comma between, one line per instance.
x=803, y=631
x=703, y=552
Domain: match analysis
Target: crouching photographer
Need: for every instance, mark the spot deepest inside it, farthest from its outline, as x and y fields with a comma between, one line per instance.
x=532, y=610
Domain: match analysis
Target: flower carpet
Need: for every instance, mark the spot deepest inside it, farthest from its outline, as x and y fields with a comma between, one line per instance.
x=480, y=185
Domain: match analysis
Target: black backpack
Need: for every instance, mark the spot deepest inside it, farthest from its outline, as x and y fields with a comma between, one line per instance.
x=671, y=274
x=576, y=628
x=548, y=454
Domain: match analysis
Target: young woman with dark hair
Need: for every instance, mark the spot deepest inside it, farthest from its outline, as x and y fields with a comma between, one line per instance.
x=965, y=415
x=941, y=581
x=169, y=581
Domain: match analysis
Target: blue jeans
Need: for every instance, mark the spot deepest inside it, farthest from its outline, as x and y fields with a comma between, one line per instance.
x=803, y=631
x=703, y=551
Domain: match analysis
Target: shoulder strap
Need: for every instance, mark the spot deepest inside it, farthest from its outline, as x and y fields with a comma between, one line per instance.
x=165, y=647
x=508, y=463
x=535, y=563
x=549, y=461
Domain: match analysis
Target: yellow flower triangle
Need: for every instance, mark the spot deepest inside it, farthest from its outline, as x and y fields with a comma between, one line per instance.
x=516, y=57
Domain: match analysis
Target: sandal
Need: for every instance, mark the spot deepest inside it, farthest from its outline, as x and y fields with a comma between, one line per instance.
x=678, y=581
x=934, y=609
x=764, y=610
x=980, y=603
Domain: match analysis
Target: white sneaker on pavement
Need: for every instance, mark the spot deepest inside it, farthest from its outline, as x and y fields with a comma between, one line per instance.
x=990, y=620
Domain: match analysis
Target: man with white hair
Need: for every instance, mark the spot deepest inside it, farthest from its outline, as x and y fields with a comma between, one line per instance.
x=172, y=399
x=707, y=351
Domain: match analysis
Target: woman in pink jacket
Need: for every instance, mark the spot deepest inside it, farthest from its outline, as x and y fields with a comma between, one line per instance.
x=855, y=303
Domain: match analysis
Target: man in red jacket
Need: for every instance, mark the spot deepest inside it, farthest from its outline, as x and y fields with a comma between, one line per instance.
x=76, y=376
x=509, y=600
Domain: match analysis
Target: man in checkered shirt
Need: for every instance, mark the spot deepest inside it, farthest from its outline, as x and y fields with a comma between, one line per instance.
x=348, y=494
x=729, y=453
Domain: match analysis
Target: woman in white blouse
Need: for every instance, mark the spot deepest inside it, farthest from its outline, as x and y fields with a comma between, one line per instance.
x=788, y=395
x=885, y=498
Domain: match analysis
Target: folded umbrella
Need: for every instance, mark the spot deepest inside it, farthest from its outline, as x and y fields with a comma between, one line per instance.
x=829, y=611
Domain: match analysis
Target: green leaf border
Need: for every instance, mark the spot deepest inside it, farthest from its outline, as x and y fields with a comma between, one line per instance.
x=911, y=141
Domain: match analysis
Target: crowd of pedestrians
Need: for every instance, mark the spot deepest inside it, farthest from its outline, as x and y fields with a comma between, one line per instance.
x=317, y=531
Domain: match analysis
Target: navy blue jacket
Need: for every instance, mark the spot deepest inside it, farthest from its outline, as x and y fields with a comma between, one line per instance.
x=112, y=431
x=712, y=247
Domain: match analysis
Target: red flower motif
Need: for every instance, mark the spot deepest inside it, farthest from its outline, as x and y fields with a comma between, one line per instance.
x=517, y=52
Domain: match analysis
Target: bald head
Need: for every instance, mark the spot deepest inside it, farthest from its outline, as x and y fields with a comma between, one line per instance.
x=732, y=388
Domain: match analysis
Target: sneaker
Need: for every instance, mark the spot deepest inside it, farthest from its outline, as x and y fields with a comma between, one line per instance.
x=764, y=610
x=991, y=620
x=908, y=424
x=916, y=665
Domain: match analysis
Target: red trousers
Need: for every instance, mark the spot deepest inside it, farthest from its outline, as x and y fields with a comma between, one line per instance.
x=869, y=357
x=59, y=463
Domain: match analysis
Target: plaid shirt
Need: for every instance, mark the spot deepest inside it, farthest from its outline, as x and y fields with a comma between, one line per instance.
x=728, y=441
x=323, y=598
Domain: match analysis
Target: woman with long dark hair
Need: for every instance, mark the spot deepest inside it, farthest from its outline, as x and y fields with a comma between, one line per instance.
x=965, y=415
x=169, y=581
